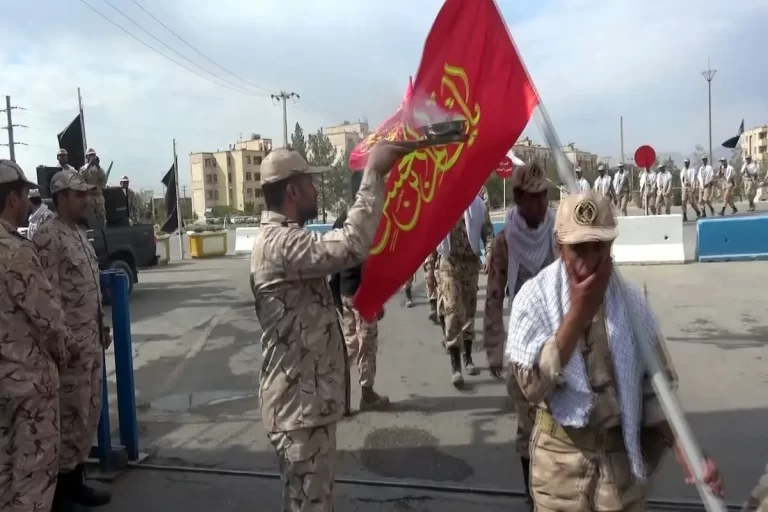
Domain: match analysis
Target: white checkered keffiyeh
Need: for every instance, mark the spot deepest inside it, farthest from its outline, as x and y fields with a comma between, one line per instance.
x=527, y=248
x=538, y=311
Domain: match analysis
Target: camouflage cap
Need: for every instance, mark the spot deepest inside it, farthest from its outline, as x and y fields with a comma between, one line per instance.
x=68, y=180
x=585, y=218
x=10, y=172
x=33, y=193
x=283, y=163
x=62, y=151
x=601, y=167
x=530, y=178
x=90, y=152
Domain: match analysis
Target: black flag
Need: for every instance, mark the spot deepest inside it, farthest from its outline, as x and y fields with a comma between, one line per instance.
x=734, y=141
x=71, y=139
x=171, y=223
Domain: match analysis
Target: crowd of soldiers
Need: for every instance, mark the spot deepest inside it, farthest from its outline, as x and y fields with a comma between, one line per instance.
x=698, y=187
x=52, y=338
x=591, y=431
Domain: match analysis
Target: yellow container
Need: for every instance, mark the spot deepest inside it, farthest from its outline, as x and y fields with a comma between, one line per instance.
x=207, y=244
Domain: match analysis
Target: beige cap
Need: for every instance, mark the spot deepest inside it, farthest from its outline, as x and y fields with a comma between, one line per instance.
x=62, y=151
x=90, y=152
x=584, y=218
x=529, y=178
x=68, y=180
x=11, y=172
x=34, y=193
x=283, y=163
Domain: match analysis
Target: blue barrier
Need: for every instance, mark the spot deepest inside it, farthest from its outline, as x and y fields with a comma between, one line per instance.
x=319, y=228
x=732, y=239
x=117, y=282
x=497, y=226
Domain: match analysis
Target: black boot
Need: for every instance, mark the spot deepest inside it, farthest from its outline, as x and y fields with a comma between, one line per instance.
x=685, y=217
x=468, y=364
x=62, y=501
x=84, y=495
x=526, y=464
x=735, y=211
x=408, y=298
x=433, y=310
x=456, y=376
x=722, y=212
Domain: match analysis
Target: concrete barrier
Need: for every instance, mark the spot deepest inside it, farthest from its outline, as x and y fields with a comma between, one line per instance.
x=650, y=239
x=207, y=244
x=732, y=239
x=244, y=240
x=163, y=249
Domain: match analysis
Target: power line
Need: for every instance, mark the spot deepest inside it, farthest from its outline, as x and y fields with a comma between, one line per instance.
x=177, y=36
x=132, y=36
x=10, y=126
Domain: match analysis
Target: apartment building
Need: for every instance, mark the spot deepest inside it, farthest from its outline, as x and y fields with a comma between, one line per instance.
x=584, y=159
x=754, y=142
x=346, y=136
x=229, y=178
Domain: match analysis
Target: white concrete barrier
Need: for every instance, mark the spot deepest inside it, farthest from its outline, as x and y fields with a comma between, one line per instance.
x=650, y=239
x=163, y=246
x=244, y=240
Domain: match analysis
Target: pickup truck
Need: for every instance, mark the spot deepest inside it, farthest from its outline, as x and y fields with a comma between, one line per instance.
x=126, y=248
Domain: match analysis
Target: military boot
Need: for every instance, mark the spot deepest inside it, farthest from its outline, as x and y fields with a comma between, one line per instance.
x=62, y=501
x=433, y=310
x=456, y=378
x=83, y=494
x=408, y=298
x=468, y=364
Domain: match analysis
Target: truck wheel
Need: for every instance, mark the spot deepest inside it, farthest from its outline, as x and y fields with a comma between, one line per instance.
x=125, y=268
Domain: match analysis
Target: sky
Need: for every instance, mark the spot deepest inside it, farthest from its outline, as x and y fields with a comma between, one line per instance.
x=592, y=62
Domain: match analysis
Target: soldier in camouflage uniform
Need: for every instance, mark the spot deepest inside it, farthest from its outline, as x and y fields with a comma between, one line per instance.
x=758, y=501
x=524, y=246
x=34, y=341
x=409, y=291
x=431, y=283
x=600, y=432
x=134, y=203
x=459, y=271
x=70, y=263
x=40, y=213
x=94, y=175
x=301, y=386
x=62, y=156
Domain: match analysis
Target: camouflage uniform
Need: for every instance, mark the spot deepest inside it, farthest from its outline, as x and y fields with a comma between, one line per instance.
x=134, y=205
x=458, y=271
x=690, y=183
x=71, y=266
x=431, y=284
x=95, y=176
x=409, y=290
x=301, y=391
x=362, y=339
x=728, y=173
x=621, y=189
x=586, y=469
x=33, y=342
x=663, y=191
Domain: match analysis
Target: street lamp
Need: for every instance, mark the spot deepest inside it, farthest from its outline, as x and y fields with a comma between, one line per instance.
x=708, y=75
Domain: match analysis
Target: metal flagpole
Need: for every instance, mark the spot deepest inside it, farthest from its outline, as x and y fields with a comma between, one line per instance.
x=82, y=120
x=178, y=204
x=661, y=386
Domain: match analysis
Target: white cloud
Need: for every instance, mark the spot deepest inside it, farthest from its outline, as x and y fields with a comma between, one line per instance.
x=592, y=61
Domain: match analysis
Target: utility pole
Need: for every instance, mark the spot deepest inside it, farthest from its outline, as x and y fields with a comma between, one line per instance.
x=621, y=135
x=284, y=97
x=178, y=203
x=10, y=126
x=708, y=75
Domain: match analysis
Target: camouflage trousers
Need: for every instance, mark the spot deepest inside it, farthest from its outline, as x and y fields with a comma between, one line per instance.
x=663, y=203
x=362, y=340
x=750, y=190
x=690, y=197
x=649, y=203
x=429, y=276
x=29, y=451
x=409, y=282
x=458, y=297
x=526, y=415
x=705, y=197
x=96, y=206
x=80, y=395
x=307, y=459
x=728, y=195
x=586, y=470
x=622, y=203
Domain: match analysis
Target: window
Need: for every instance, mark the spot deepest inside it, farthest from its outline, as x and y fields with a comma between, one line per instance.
x=249, y=192
x=762, y=135
x=258, y=192
x=229, y=177
x=209, y=194
x=208, y=179
x=216, y=194
x=229, y=159
x=248, y=160
x=248, y=176
x=215, y=178
x=257, y=176
x=257, y=160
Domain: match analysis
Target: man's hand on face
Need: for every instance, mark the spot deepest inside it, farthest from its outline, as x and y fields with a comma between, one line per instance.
x=587, y=295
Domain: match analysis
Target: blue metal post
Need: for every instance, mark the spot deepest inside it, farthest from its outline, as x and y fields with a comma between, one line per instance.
x=126, y=393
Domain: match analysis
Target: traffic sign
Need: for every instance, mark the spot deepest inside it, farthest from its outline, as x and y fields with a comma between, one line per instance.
x=505, y=168
x=645, y=156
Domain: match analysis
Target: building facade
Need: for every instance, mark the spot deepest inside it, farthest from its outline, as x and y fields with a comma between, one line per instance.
x=346, y=136
x=229, y=178
x=529, y=151
x=754, y=142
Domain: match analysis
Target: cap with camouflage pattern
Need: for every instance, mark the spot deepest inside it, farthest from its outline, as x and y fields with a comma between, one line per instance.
x=90, y=152
x=10, y=172
x=529, y=178
x=61, y=152
x=283, y=163
x=585, y=218
x=68, y=180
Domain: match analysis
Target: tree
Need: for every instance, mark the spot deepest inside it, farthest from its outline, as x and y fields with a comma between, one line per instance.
x=298, y=142
x=321, y=153
x=338, y=185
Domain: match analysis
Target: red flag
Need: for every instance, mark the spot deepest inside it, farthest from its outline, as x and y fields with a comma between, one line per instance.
x=471, y=69
x=389, y=129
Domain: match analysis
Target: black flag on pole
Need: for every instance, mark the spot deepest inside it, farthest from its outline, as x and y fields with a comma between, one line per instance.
x=71, y=139
x=171, y=223
x=734, y=141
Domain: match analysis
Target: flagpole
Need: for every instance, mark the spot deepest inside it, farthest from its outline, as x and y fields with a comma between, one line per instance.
x=672, y=410
x=82, y=120
x=178, y=206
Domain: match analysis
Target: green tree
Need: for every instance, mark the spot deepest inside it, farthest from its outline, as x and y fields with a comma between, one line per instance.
x=338, y=185
x=321, y=153
x=298, y=142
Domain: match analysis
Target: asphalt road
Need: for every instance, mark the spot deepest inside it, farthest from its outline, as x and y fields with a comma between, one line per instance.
x=197, y=357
